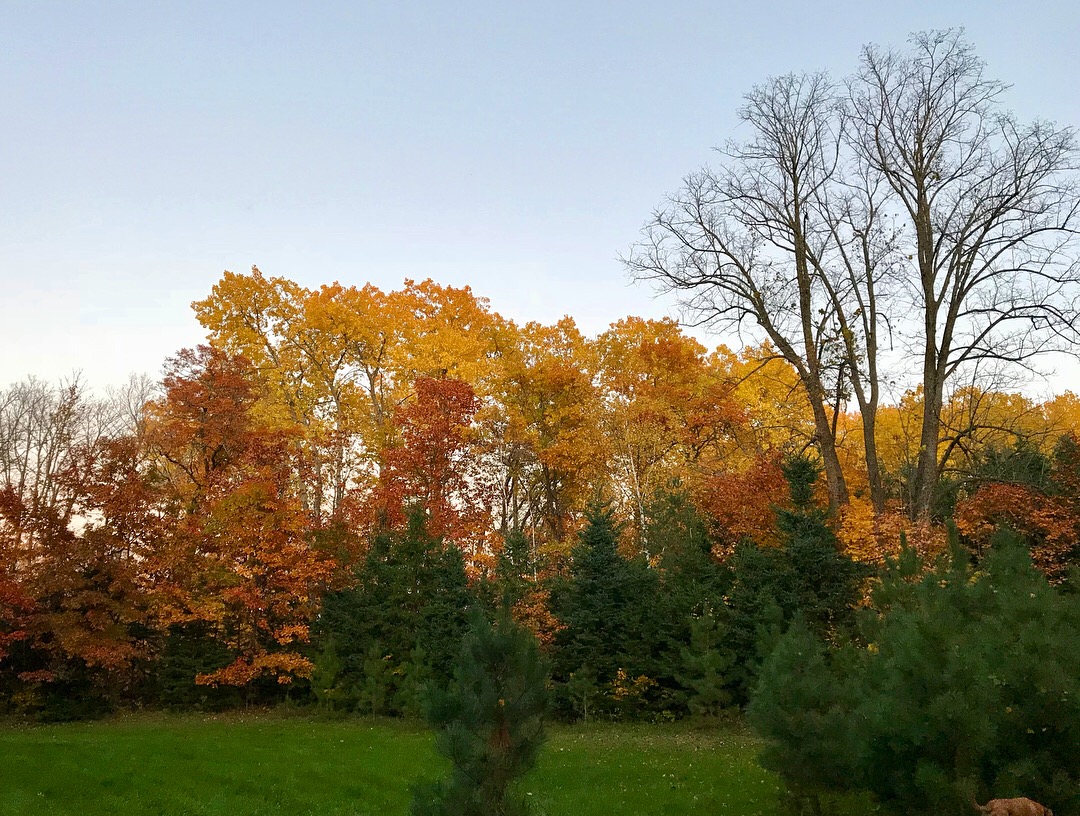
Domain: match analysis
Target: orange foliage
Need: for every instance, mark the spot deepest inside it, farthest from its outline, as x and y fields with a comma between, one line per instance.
x=871, y=538
x=433, y=466
x=239, y=554
x=741, y=505
x=1046, y=521
x=533, y=611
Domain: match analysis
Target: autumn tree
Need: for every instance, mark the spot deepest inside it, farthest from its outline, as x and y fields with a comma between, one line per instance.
x=337, y=360
x=665, y=408
x=238, y=555
x=15, y=603
x=432, y=467
x=553, y=445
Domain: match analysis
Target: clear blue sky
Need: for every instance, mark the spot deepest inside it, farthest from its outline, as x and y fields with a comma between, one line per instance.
x=514, y=147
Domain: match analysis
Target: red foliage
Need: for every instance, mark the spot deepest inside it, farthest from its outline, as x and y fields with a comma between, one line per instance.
x=741, y=504
x=15, y=604
x=432, y=466
x=238, y=553
x=1046, y=521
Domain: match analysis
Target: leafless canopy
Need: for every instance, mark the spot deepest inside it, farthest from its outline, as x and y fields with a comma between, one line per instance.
x=902, y=200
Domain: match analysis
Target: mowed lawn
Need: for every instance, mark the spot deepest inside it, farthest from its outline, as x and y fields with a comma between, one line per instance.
x=263, y=764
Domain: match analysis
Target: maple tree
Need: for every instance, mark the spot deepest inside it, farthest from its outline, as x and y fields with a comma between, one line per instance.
x=326, y=487
x=15, y=604
x=239, y=556
x=665, y=408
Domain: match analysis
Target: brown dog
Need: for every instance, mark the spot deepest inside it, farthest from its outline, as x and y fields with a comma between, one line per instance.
x=1014, y=807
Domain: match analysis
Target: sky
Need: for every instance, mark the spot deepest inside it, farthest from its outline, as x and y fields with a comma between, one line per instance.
x=513, y=147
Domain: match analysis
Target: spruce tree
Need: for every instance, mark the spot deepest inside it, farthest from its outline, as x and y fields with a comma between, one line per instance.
x=606, y=606
x=806, y=576
x=693, y=585
x=411, y=591
x=706, y=666
x=489, y=722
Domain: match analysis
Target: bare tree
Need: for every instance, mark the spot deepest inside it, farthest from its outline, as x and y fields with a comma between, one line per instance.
x=779, y=241
x=911, y=199
x=991, y=206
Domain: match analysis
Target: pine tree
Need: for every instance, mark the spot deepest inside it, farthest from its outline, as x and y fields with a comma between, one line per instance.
x=490, y=722
x=375, y=689
x=415, y=685
x=693, y=585
x=806, y=576
x=411, y=591
x=326, y=679
x=964, y=684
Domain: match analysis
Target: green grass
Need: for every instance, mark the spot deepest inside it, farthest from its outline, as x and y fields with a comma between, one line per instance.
x=269, y=765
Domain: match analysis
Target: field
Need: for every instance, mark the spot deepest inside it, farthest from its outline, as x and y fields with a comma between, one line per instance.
x=243, y=765
x=264, y=764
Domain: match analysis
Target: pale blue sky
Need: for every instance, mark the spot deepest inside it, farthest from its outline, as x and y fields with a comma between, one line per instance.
x=513, y=147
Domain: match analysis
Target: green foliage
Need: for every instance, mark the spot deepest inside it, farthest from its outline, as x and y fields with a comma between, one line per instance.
x=806, y=576
x=1021, y=464
x=800, y=705
x=192, y=649
x=513, y=567
x=706, y=666
x=414, y=686
x=326, y=679
x=606, y=606
x=374, y=692
x=411, y=593
x=490, y=722
x=968, y=686
x=583, y=691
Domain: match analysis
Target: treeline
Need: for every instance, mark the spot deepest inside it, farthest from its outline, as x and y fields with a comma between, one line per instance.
x=308, y=505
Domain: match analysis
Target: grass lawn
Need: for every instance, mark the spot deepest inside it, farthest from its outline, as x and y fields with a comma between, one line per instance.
x=263, y=764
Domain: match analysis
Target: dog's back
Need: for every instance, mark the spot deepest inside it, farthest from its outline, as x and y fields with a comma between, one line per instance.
x=1014, y=807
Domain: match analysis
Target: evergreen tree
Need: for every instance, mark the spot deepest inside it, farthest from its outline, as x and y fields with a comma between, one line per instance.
x=490, y=722
x=693, y=585
x=374, y=692
x=806, y=576
x=968, y=686
x=415, y=685
x=583, y=691
x=514, y=567
x=411, y=591
x=606, y=606
x=706, y=666
x=191, y=649
x=326, y=679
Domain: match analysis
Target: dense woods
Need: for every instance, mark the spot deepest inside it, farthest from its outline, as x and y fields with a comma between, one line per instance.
x=319, y=503
x=308, y=506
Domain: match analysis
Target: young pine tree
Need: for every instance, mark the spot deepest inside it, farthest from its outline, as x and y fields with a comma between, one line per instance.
x=490, y=722
x=706, y=666
x=967, y=687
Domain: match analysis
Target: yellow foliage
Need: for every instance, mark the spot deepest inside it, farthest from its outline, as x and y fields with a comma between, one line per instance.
x=857, y=533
